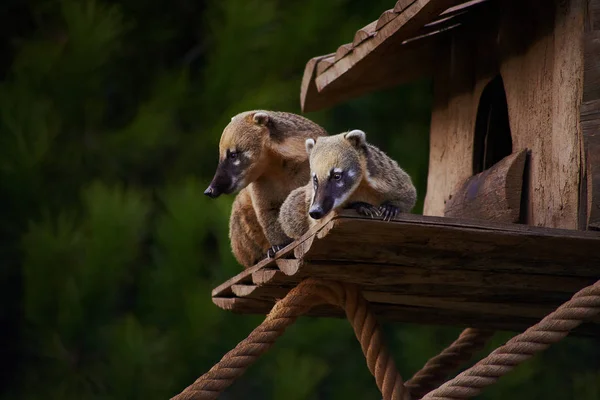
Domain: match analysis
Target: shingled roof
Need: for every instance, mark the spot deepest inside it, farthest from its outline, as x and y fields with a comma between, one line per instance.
x=385, y=52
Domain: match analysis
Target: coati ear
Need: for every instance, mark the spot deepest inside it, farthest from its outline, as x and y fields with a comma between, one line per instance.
x=260, y=118
x=310, y=143
x=356, y=137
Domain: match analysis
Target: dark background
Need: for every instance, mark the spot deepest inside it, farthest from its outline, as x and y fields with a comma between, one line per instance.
x=110, y=115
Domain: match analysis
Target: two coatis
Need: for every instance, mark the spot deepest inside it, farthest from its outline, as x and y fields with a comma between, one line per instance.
x=347, y=172
x=262, y=156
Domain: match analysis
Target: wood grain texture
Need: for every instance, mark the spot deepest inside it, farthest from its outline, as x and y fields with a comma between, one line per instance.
x=438, y=270
x=325, y=63
x=492, y=195
x=405, y=25
x=385, y=59
x=538, y=50
x=364, y=33
x=308, y=89
x=452, y=126
x=342, y=51
x=590, y=119
x=590, y=123
x=386, y=17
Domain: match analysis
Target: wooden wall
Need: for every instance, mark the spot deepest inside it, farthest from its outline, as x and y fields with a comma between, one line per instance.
x=537, y=47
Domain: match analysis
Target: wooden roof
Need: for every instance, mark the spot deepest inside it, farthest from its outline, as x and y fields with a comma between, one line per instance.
x=430, y=270
x=386, y=52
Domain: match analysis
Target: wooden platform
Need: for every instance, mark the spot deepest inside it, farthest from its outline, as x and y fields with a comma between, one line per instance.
x=431, y=270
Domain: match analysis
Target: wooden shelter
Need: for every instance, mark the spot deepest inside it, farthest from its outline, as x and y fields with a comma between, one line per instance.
x=514, y=155
x=512, y=209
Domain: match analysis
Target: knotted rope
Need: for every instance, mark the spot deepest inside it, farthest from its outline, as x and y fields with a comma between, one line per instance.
x=437, y=368
x=583, y=305
x=298, y=301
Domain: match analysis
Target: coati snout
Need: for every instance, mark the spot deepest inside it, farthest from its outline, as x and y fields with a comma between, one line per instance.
x=226, y=177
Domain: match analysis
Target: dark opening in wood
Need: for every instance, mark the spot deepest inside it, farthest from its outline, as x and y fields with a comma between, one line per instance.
x=493, y=140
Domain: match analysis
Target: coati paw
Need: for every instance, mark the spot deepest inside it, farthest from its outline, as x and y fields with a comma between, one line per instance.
x=274, y=249
x=365, y=209
x=388, y=211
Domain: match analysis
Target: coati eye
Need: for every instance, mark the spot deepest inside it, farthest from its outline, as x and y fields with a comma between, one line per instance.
x=337, y=176
x=233, y=155
x=315, y=181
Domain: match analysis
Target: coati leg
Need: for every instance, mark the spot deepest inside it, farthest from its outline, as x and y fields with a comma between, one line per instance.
x=248, y=241
x=363, y=208
x=269, y=220
x=388, y=211
x=293, y=215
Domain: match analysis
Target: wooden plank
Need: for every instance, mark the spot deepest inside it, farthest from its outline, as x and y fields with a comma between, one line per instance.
x=405, y=25
x=542, y=69
x=412, y=314
x=590, y=125
x=364, y=33
x=402, y=5
x=416, y=240
x=325, y=63
x=462, y=7
x=452, y=128
x=493, y=195
x=593, y=20
x=309, y=95
x=403, y=63
x=386, y=17
x=341, y=52
x=416, y=268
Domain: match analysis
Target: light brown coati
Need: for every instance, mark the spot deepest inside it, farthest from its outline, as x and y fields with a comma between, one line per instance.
x=347, y=172
x=262, y=155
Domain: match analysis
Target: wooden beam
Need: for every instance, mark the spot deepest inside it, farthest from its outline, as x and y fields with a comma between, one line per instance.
x=492, y=195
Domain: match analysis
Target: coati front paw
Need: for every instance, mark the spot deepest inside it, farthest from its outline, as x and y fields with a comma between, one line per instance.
x=274, y=249
x=365, y=209
x=388, y=211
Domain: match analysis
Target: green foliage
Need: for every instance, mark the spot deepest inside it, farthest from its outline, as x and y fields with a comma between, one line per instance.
x=110, y=115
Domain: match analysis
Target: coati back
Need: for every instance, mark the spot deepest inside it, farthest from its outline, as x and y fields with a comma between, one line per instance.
x=347, y=172
x=264, y=153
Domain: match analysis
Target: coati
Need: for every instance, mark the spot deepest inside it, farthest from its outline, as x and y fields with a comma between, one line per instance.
x=347, y=172
x=262, y=156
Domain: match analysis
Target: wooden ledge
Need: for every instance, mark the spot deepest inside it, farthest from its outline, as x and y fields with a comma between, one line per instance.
x=431, y=270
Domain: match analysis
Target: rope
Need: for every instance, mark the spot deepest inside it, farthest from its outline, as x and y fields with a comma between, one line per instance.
x=553, y=328
x=437, y=368
x=298, y=301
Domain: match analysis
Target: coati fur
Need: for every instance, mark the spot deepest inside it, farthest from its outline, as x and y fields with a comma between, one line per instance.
x=347, y=172
x=262, y=156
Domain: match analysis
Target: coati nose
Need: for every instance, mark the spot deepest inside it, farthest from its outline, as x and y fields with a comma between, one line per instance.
x=211, y=192
x=316, y=212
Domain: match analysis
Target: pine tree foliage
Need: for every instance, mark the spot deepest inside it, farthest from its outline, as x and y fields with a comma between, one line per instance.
x=110, y=116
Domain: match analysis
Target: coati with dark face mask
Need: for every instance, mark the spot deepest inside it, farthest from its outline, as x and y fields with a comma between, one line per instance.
x=262, y=156
x=347, y=172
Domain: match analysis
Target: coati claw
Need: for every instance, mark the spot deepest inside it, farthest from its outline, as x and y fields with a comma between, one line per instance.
x=388, y=211
x=365, y=209
x=274, y=249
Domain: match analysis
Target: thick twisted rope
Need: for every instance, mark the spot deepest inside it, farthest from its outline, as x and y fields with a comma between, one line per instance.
x=298, y=301
x=439, y=367
x=583, y=305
